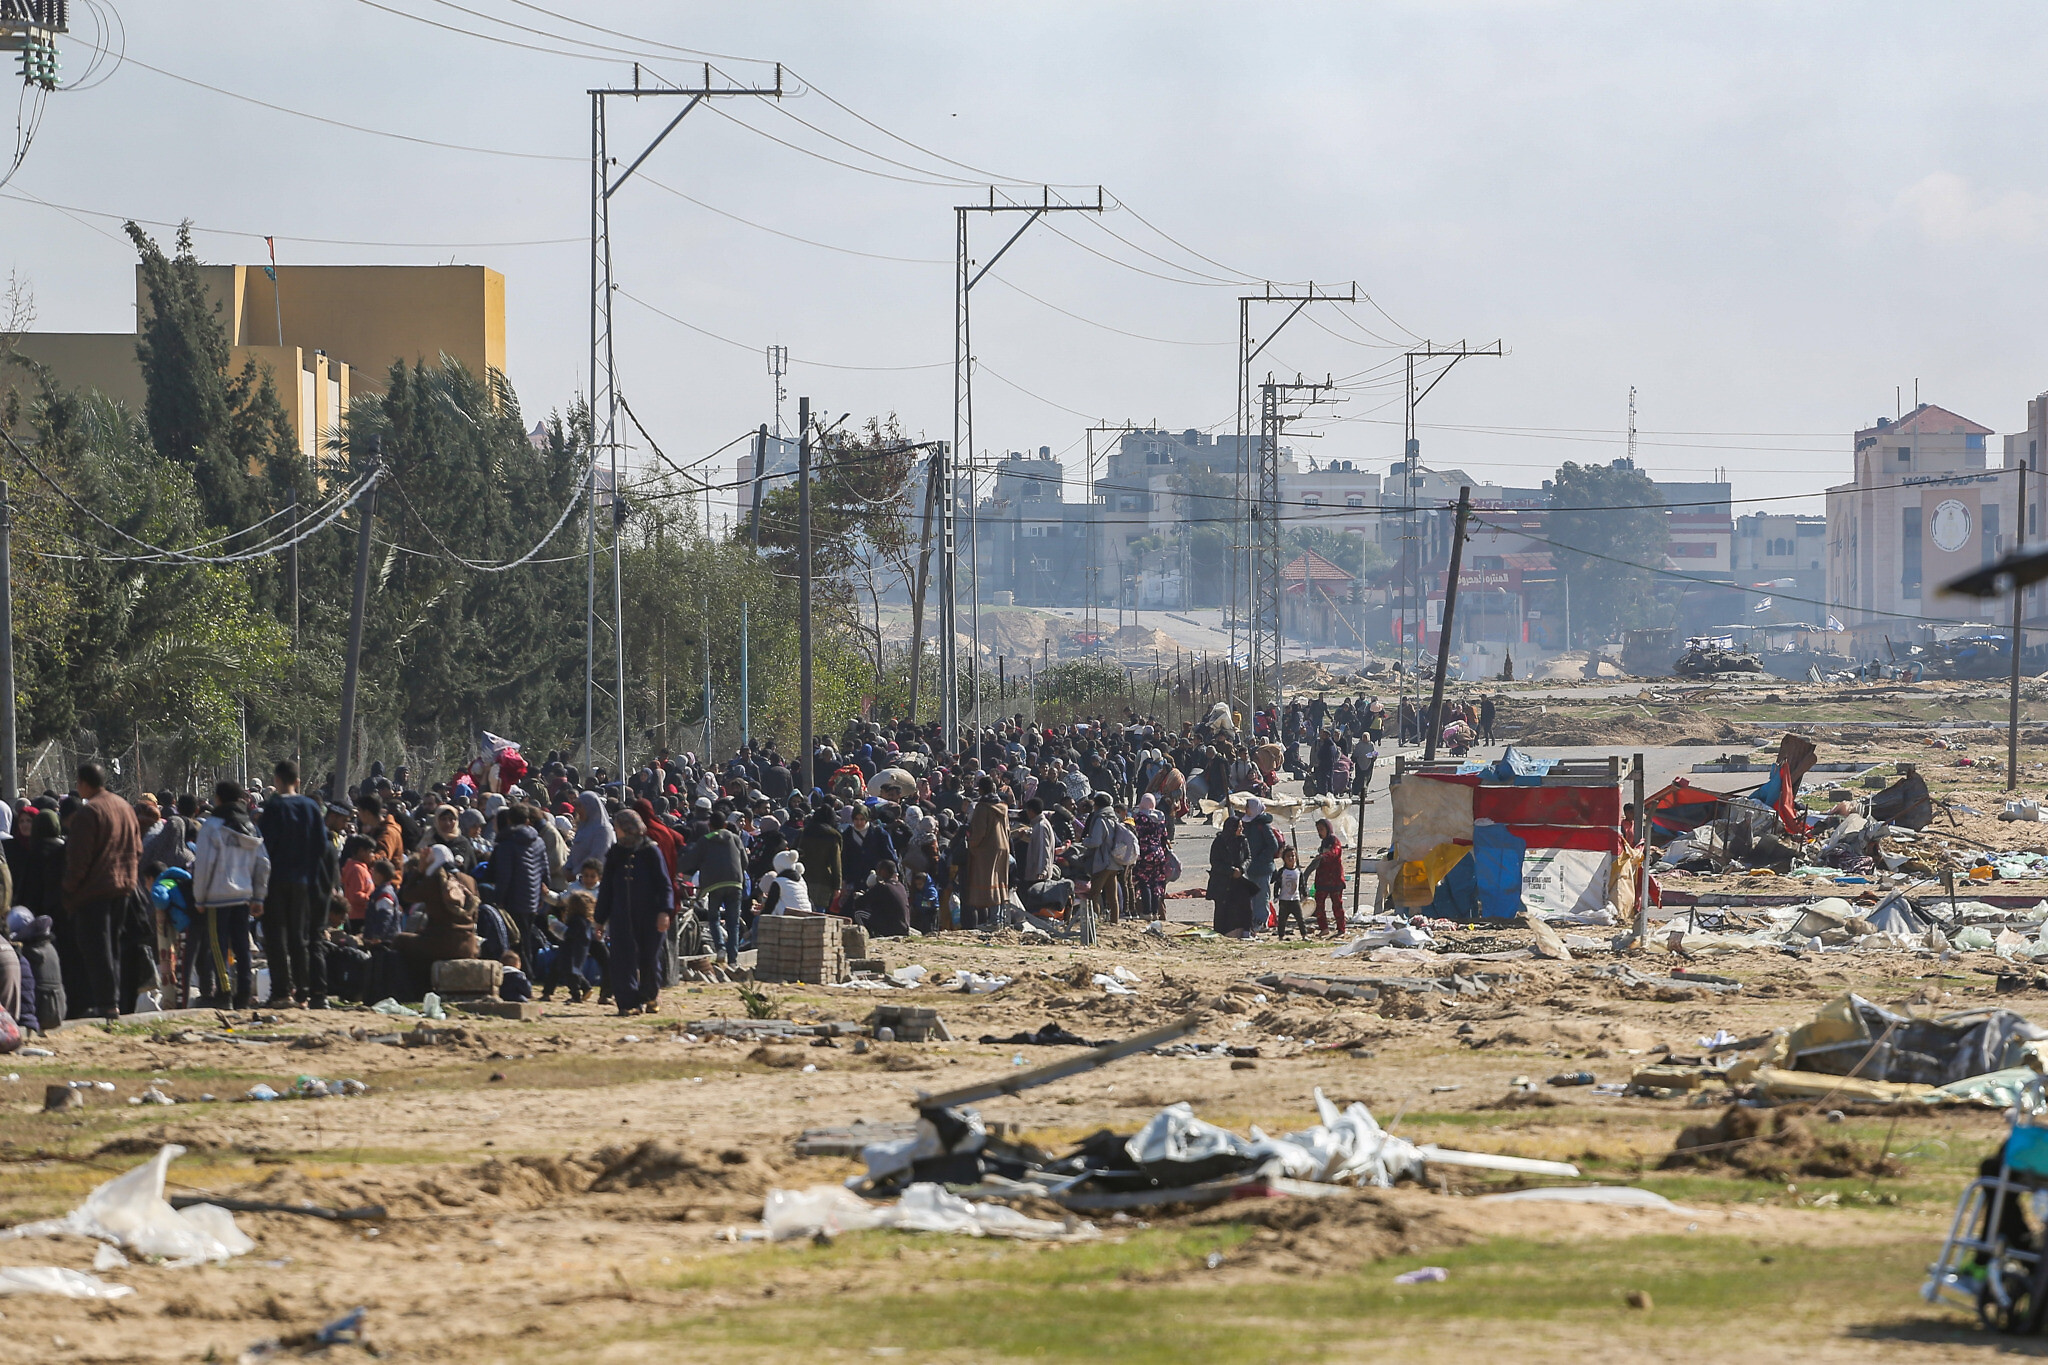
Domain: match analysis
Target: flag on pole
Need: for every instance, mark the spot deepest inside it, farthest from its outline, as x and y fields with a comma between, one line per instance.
x=1835, y=624
x=271, y=269
x=1763, y=605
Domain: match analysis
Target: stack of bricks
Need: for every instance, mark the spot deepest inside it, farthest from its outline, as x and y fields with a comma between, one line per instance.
x=806, y=948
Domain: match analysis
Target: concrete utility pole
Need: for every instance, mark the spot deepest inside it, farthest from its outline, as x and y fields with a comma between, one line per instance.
x=963, y=435
x=1431, y=717
x=2012, y=702
x=805, y=778
x=357, y=608
x=924, y=566
x=604, y=392
x=1250, y=481
x=10, y=785
x=1411, y=477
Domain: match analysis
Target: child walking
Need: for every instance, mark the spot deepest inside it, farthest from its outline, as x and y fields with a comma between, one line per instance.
x=1287, y=892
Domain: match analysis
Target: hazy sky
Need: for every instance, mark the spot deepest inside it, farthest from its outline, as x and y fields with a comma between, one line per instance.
x=1766, y=218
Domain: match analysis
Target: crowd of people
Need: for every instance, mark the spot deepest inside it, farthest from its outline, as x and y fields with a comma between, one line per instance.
x=581, y=881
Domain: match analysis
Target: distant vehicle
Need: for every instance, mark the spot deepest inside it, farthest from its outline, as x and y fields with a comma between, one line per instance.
x=1707, y=655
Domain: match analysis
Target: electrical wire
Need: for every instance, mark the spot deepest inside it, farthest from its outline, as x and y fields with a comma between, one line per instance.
x=635, y=38
x=352, y=127
x=1135, y=336
x=575, y=500
x=794, y=360
x=158, y=553
x=789, y=236
x=505, y=42
x=26, y=197
x=1775, y=594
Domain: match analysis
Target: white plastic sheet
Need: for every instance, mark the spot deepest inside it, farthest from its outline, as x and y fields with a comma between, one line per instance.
x=51, y=1279
x=1615, y=1196
x=833, y=1209
x=130, y=1211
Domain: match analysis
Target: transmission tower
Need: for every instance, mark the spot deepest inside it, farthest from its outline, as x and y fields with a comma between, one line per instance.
x=604, y=379
x=1268, y=593
x=1631, y=426
x=778, y=366
x=1247, y=475
x=963, y=442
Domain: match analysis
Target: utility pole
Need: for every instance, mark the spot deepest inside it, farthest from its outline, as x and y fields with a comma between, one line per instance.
x=604, y=394
x=10, y=785
x=1443, y=639
x=924, y=565
x=2012, y=703
x=778, y=366
x=963, y=416
x=805, y=778
x=357, y=607
x=1250, y=479
x=754, y=537
x=1268, y=594
x=1411, y=477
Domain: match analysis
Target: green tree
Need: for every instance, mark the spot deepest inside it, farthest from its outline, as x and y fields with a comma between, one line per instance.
x=1609, y=522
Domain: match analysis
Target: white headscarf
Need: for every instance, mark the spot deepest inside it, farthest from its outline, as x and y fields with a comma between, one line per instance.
x=438, y=858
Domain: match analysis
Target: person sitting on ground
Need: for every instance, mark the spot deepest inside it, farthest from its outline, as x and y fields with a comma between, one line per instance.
x=885, y=905
x=450, y=900
x=512, y=983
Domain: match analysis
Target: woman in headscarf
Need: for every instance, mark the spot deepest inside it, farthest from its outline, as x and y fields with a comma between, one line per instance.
x=633, y=905
x=1150, y=871
x=594, y=835
x=820, y=848
x=988, y=853
x=450, y=899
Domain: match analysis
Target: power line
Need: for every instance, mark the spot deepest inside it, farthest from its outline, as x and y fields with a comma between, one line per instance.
x=351, y=127
x=575, y=499
x=794, y=359
x=25, y=197
x=789, y=236
x=158, y=553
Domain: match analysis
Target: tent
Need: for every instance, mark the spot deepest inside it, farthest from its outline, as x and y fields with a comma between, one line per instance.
x=1507, y=838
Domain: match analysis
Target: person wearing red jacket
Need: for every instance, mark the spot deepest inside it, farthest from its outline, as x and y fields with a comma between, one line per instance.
x=1329, y=870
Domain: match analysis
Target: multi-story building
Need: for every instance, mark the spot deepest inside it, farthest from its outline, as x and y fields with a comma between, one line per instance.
x=323, y=331
x=1773, y=547
x=1922, y=506
x=2029, y=449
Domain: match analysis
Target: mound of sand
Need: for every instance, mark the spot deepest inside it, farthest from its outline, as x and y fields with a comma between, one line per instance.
x=1773, y=1145
x=1331, y=1235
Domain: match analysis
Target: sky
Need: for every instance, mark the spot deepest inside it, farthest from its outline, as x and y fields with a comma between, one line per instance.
x=1772, y=220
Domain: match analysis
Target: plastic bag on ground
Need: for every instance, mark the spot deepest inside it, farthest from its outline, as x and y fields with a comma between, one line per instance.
x=430, y=1005
x=830, y=1209
x=973, y=983
x=1975, y=938
x=389, y=1005
x=51, y=1279
x=131, y=1212
x=924, y=1207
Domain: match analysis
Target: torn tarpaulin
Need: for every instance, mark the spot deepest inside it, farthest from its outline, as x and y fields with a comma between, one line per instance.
x=1850, y=1036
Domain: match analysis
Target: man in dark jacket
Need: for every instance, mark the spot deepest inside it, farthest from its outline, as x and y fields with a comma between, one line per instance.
x=719, y=860
x=103, y=849
x=303, y=871
x=633, y=905
x=519, y=868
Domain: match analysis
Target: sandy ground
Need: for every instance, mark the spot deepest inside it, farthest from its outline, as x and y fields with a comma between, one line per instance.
x=563, y=1189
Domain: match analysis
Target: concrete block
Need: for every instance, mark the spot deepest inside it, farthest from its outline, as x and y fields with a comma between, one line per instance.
x=467, y=976
x=522, y=1011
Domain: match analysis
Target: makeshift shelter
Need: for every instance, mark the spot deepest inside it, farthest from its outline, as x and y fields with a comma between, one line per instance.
x=1512, y=837
x=1680, y=809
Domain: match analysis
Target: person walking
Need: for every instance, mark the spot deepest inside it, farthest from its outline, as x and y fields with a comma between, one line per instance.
x=1262, y=854
x=1329, y=878
x=1153, y=865
x=633, y=907
x=102, y=856
x=303, y=872
x=230, y=878
x=988, y=857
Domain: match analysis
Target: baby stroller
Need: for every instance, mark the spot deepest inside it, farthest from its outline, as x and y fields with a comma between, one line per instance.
x=1993, y=1261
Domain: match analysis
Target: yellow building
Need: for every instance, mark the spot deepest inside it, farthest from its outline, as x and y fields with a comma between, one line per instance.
x=323, y=331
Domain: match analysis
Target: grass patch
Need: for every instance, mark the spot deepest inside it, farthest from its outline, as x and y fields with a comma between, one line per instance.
x=992, y=1306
